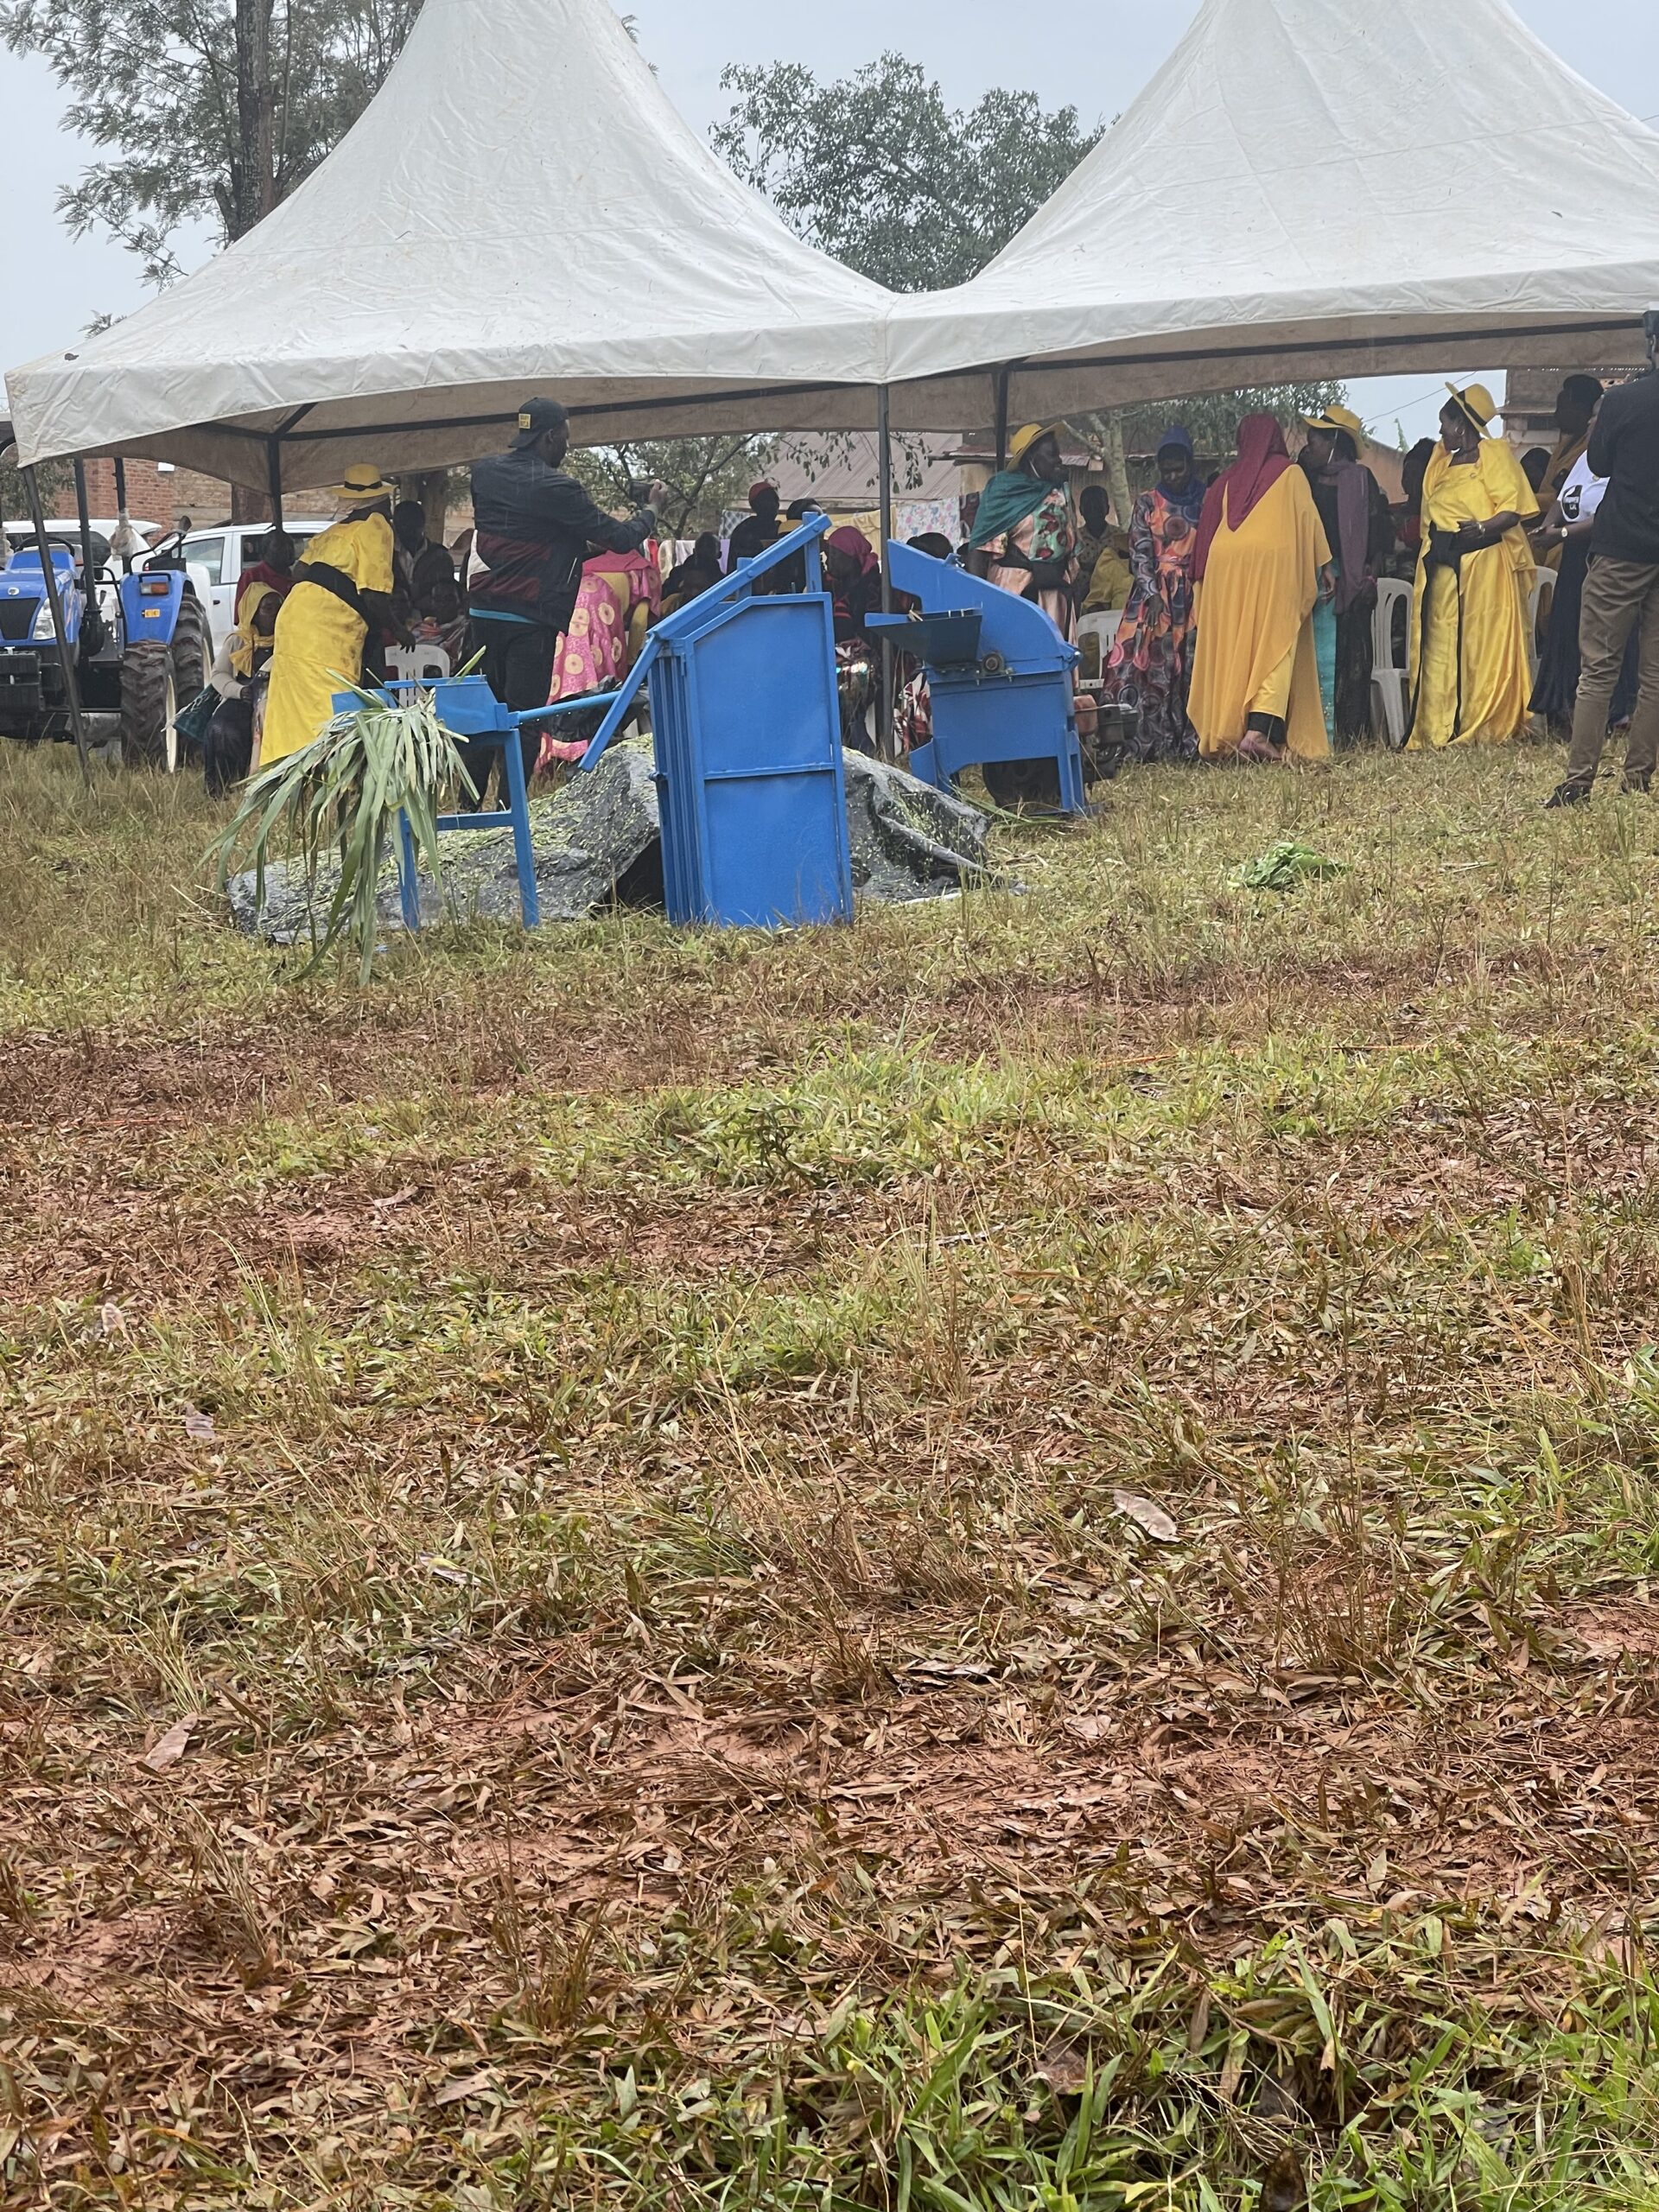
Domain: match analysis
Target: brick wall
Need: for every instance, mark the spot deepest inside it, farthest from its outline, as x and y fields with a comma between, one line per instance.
x=154, y=493
x=1529, y=401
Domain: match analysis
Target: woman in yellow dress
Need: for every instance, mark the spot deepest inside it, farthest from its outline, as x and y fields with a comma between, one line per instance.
x=1471, y=677
x=1262, y=562
x=342, y=585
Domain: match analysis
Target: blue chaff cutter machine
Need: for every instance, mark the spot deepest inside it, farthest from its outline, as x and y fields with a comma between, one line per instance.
x=746, y=727
x=1000, y=675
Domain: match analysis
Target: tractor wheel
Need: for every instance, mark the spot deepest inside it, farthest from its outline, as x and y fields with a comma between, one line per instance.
x=148, y=703
x=189, y=675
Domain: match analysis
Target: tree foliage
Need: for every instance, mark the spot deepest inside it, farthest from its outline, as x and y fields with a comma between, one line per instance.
x=54, y=477
x=876, y=170
x=705, y=476
x=212, y=110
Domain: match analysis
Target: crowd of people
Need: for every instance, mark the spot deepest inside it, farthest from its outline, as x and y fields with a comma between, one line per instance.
x=1248, y=601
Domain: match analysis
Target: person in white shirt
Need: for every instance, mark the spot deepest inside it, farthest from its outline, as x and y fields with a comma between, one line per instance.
x=1569, y=526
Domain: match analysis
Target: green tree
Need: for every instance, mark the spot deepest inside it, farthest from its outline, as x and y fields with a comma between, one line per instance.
x=14, y=499
x=211, y=111
x=876, y=170
x=704, y=476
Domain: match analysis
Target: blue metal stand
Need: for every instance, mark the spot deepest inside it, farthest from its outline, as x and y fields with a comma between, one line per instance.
x=468, y=708
x=1000, y=675
x=516, y=818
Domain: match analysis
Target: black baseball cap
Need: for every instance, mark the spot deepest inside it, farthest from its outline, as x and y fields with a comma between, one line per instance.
x=537, y=417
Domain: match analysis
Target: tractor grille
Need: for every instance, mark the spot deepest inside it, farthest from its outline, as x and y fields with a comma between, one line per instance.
x=16, y=619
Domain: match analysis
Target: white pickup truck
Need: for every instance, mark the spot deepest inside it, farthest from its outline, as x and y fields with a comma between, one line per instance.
x=216, y=558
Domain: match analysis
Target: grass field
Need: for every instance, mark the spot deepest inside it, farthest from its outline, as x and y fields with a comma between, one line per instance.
x=1004, y=1560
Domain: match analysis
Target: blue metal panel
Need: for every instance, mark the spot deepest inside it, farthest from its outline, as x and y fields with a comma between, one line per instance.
x=747, y=726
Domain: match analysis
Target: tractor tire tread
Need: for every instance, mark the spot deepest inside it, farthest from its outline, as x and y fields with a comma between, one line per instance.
x=144, y=705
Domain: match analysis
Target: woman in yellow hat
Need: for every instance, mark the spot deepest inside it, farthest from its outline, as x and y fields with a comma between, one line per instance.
x=1470, y=675
x=343, y=585
x=1023, y=536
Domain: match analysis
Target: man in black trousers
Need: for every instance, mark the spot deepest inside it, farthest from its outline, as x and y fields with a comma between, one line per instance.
x=534, y=526
x=1621, y=591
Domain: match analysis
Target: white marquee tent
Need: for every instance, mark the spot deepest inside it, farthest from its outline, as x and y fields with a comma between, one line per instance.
x=520, y=209
x=1311, y=189
x=1308, y=187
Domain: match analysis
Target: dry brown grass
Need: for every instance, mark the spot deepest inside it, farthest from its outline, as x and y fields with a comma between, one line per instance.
x=611, y=1446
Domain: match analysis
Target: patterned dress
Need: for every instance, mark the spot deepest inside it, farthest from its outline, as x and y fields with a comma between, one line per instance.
x=1150, y=665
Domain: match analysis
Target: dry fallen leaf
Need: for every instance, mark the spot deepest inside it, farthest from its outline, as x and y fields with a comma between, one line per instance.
x=1283, y=2188
x=1147, y=1517
x=167, y=1751
x=474, y=2085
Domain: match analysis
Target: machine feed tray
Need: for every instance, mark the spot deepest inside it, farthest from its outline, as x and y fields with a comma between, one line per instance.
x=942, y=640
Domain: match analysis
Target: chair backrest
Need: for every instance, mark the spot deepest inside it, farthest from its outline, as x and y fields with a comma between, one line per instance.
x=416, y=664
x=1386, y=655
x=1097, y=634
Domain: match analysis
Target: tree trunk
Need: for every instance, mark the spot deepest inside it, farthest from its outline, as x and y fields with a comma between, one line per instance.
x=254, y=183
x=431, y=487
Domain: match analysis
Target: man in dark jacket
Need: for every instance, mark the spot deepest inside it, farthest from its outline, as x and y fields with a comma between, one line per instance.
x=1621, y=592
x=534, y=524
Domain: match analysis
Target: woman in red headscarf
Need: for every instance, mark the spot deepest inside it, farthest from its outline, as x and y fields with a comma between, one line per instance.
x=1262, y=562
x=853, y=576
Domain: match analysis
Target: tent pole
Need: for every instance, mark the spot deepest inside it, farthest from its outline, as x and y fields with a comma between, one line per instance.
x=84, y=516
x=884, y=471
x=1002, y=424
x=66, y=659
x=274, y=474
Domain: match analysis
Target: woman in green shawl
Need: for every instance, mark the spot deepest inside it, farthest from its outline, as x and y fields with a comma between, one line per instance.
x=1023, y=536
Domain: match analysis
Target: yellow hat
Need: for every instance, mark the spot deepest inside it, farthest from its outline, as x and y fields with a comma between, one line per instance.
x=363, y=480
x=1476, y=401
x=1337, y=418
x=1023, y=440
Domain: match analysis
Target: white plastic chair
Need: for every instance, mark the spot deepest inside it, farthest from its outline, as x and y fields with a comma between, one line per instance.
x=1102, y=627
x=1390, y=677
x=1540, y=604
x=416, y=664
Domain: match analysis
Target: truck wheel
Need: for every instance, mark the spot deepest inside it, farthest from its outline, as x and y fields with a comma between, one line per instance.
x=148, y=703
x=189, y=675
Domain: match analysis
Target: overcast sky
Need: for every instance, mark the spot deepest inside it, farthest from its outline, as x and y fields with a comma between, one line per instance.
x=1095, y=53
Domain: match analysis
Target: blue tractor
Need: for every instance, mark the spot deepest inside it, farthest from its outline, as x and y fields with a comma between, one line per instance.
x=139, y=643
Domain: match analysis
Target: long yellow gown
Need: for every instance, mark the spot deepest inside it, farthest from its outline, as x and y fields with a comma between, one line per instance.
x=318, y=648
x=1254, y=651
x=1496, y=585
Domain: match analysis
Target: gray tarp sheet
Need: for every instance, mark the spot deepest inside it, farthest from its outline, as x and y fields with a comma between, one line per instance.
x=597, y=839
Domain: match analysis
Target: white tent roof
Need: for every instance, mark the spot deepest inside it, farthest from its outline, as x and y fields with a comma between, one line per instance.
x=519, y=210
x=1314, y=189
